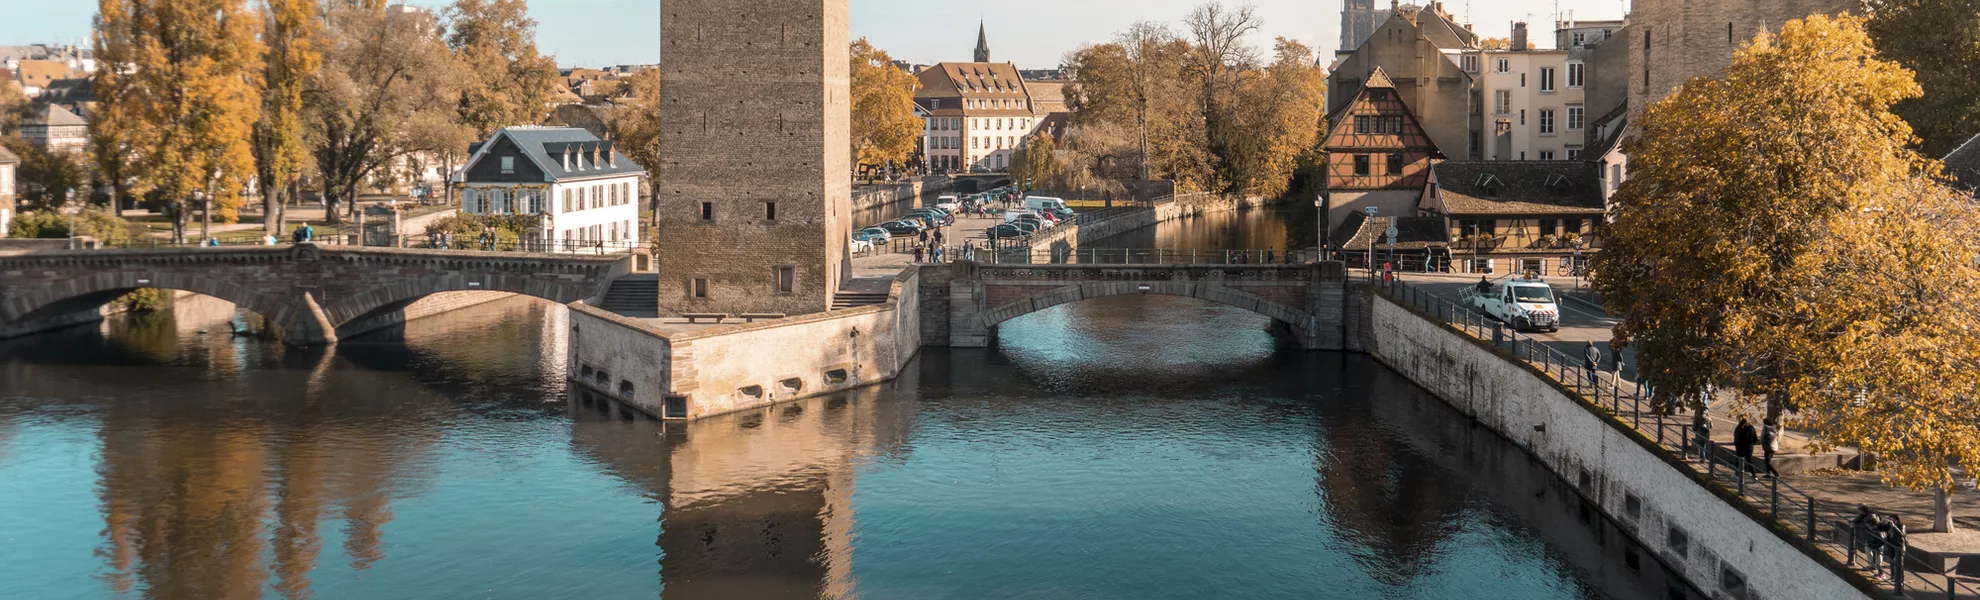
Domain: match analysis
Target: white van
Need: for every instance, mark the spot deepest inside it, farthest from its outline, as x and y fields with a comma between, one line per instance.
x=948, y=203
x=1525, y=304
x=1045, y=203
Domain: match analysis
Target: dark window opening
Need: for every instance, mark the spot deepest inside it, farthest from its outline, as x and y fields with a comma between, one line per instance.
x=674, y=407
x=1729, y=33
x=1733, y=582
x=769, y=211
x=1632, y=559
x=1550, y=227
x=1361, y=165
x=603, y=378
x=1679, y=542
x=1632, y=506
x=698, y=287
x=753, y=391
x=708, y=211
x=586, y=372
x=793, y=384
x=835, y=376
x=626, y=390
x=1395, y=164
x=786, y=279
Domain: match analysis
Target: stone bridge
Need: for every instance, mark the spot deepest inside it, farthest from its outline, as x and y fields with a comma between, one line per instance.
x=1306, y=302
x=973, y=183
x=309, y=295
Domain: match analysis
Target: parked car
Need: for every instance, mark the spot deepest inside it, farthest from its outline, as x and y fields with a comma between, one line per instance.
x=858, y=245
x=907, y=228
x=1064, y=214
x=877, y=235
x=1028, y=226
x=940, y=218
x=948, y=203
x=1007, y=230
x=924, y=221
x=1035, y=220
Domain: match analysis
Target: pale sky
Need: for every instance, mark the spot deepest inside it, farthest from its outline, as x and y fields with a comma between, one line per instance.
x=1032, y=33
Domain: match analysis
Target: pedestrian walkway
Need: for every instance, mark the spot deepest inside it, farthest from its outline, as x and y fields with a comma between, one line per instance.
x=1813, y=506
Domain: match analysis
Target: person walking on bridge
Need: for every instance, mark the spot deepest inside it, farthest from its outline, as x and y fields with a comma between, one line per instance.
x=1770, y=443
x=1862, y=535
x=1744, y=438
x=1593, y=355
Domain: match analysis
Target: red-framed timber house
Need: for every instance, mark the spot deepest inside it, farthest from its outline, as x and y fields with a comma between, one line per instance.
x=1377, y=155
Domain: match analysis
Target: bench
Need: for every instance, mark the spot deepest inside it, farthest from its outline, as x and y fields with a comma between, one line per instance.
x=754, y=317
x=697, y=317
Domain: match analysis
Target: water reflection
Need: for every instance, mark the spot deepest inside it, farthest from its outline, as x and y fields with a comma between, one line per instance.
x=1116, y=448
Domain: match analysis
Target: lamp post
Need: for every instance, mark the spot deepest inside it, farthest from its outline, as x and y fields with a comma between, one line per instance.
x=205, y=215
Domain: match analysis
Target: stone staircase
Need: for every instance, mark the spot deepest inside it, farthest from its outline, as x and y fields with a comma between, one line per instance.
x=848, y=299
x=636, y=296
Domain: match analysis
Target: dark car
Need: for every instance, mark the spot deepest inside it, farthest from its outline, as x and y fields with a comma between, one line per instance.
x=1063, y=214
x=1007, y=230
x=939, y=217
x=902, y=227
x=922, y=221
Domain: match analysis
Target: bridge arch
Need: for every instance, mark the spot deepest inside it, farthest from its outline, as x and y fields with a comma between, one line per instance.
x=1216, y=294
x=75, y=300
x=381, y=306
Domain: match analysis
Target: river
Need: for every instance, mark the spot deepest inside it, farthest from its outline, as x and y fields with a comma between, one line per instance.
x=1131, y=447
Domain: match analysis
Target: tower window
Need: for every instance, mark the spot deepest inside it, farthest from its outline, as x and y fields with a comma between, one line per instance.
x=698, y=287
x=708, y=211
x=770, y=211
x=786, y=279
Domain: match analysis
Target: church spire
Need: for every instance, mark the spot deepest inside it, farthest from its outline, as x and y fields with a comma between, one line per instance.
x=982, y=44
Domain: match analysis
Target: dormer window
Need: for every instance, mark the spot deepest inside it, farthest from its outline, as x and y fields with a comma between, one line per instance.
x=567, y=158
x=508, y=165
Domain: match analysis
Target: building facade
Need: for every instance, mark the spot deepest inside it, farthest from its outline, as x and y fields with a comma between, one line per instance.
x=583, y=192
x=56, y=130
x=1378, y=156
x=753, y=193
x=8, y=164
x=976, y=115
x=1358, y=21
x=1672, y=41
x=1534, y=105
x=1421, y=49
x=1516, y=216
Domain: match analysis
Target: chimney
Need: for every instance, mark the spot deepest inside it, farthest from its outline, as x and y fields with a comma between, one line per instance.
x=1519, y=35
x=567, y=158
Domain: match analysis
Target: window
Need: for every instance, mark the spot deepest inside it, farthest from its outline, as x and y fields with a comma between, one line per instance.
x=769, y=211
x=708, y=211
x=508, y=165
x=1580, y=38
x=1729, y=33
x=1522, y=80
x=1572, y=225
x=1679, y=542
x=1361, y=165
x=1546, y=121
x=613, y=191
x=1470, y=62
x=1573, y=153
x=1550, y=227
x=1546, y=79
x=786, y=278
x=1575, y=116
x=1503, y=100
x=1361, y=125
x=1503, y=66
x=973, y=142
x=1577, y=75
x=698, y=287
x=1522, y=117
x=1395, y=163
x=1546, y=155
x=1474, y=144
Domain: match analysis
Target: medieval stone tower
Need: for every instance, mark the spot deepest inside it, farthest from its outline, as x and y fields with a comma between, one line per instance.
x=754, y=181
x=1672, y=41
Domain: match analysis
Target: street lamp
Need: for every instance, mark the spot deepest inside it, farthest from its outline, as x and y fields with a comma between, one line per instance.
x=205, y=215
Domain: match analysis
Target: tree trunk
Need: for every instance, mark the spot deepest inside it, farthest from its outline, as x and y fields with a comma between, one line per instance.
x=330, y=214
x=205, y=218
x=1942, y=510
x=271, y=205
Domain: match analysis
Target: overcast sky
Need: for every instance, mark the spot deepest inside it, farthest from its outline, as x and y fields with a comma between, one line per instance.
x=1032, y=33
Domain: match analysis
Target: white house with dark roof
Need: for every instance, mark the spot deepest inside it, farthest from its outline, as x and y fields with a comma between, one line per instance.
x=56, y=130
x=1508, y=216
x=584, y=190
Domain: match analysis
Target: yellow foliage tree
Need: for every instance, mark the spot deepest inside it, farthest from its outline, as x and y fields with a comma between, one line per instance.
x=1777, y=236
x=635, y=124
x=179, y=82
x=884, y=126
x=496, y=41
x=293, y=54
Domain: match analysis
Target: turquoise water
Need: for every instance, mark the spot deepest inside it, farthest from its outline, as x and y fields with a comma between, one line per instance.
x=1116, y=448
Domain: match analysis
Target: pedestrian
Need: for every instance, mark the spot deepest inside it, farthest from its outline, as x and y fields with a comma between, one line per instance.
x=1701, y=433
x=1862, y=531
x=938, y=237
x=917, y=253
x=1770, y=443
x=922, y=236
x=1388, y=271
x=1894, y=536
x=1744, y=438
x=1268, y=255
x=1484, y=285
x=1593, y=356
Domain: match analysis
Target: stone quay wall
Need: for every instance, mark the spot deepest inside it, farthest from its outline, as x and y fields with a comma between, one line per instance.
x=1059, y=244
x=1694, y=531
x=738, y=367
x=869, y=197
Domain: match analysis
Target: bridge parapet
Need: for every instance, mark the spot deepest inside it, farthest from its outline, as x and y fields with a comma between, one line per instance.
x=308, y=294
x=1306, y=300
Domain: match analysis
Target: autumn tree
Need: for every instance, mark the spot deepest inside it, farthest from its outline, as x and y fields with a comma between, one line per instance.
x=385, y=90
x=635, y=124
x=292, y=54
x=509, y=83
x=179, y=82
x=884, y=126
x=1280, y=121
x=44, y=180
x=1940, y=41
x=1034, y=162
x=1777, y=236
x=1146, y=93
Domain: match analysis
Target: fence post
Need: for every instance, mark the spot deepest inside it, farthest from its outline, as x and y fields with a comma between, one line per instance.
x=1774, y=497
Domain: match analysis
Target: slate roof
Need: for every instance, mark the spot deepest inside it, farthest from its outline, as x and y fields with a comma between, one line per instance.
x=545, y=146
x=1963, y=165
x=1358, y=230
x=1498, y=187
x=56, y=116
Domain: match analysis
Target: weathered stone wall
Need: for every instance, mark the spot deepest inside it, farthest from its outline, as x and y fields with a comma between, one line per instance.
x=1696, y=38
x=727, y=369
x=1575, y=440
x=755, y=109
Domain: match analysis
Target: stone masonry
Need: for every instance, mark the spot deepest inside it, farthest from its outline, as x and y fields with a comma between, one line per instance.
x=1672, y=41
x=308, y=295
x=756, y=110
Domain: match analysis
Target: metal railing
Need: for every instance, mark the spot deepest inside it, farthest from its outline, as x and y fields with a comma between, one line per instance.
x=1630, y=404
x=491, y=244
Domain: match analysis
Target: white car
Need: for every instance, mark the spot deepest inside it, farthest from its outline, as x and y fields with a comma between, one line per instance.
x=859, y=245
x=948, y=203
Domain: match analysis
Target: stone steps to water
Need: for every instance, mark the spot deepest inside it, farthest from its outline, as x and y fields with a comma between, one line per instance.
x=636, y=296
x=845, y=300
